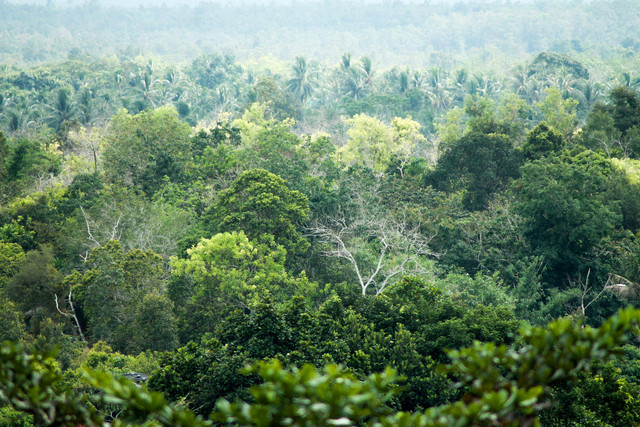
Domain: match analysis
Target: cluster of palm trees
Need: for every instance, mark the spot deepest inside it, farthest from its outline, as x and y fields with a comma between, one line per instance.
x=93, y=95
x=314, y=85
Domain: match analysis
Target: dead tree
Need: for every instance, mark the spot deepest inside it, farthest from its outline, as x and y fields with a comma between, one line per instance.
x=378, y=249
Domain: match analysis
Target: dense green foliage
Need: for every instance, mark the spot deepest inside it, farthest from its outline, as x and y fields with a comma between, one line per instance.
x=308, y=242
x=503, y=386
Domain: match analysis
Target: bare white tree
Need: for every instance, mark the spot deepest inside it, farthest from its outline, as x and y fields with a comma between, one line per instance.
x=379, y=249
x=113, y=233
x=584, y=290
x=137, y=224
x=71, y=313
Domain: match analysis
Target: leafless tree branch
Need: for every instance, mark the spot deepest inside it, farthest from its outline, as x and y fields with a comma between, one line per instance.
x=393, y=247
x=72, y=314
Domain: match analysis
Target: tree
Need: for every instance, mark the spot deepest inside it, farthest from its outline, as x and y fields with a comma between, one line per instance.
x=541, y=141
x=229, y=271
x=507, y=385
x=600, y=131
x=63, y=109
x=373, y=144
x=4, y=152
x=28, y=159
x=272, y=146
x=479, y=165
x=102, y=294
x=118, y=213
x=120, y=299
x=258, y=203
x=210, y=71
x=301, y=83
x=547, y=61
x=378, y=248
x=142, y=149
x=11, y=258
x=626, y=108
x=615, y=127
x=88, y=144
x=34, y=285
x=559, y=113
x=566, y=214
x=12, y=326
x=154, y=326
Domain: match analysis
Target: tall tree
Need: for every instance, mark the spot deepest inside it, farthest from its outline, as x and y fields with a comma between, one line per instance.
x=144, y=148
x=301, y=83
x=479, y=165
x=258, y=203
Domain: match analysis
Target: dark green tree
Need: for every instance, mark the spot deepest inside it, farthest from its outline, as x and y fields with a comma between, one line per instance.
x=563, y=200
x=259, y=202
x=479, y=165
x=144, y=148
x=33, y=288
x=626, y=108
x=541, y=141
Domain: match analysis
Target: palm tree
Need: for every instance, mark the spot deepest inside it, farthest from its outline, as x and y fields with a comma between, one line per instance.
x=354, y=85
x=460, y=78
x=417, y=80
x=346, y=61
x=566, y=81
x=14, y=119
x=332, y=87
x=62, y=110
x=520, y=81
x=587, y=94
x=437, y=78
x=484, y=86
x=301, y=84
x=228, y=95
x=437, y=92
x=627, y=80
x=460, y=84
x=85, y=105
x=147, y=88
x=367, y=69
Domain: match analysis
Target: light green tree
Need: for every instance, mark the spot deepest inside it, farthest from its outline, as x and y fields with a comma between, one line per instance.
x=373, y=144
x=229, y=267
x=559, y=113
x=141, y=149
x=229, y=271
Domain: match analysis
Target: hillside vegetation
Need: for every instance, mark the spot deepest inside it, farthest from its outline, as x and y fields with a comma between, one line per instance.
x=320, y=214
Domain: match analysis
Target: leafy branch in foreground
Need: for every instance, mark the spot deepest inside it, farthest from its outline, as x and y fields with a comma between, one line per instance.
x=141, y=406
x=30, y=384
x=306, y=397
x=504, y=386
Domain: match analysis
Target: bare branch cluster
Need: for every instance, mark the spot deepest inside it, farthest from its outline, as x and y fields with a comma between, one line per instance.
x=379, y=249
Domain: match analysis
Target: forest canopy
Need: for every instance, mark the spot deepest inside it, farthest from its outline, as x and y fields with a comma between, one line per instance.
x=398, y=213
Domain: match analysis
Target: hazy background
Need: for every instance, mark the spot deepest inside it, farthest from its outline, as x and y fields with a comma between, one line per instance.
x=416, y=33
